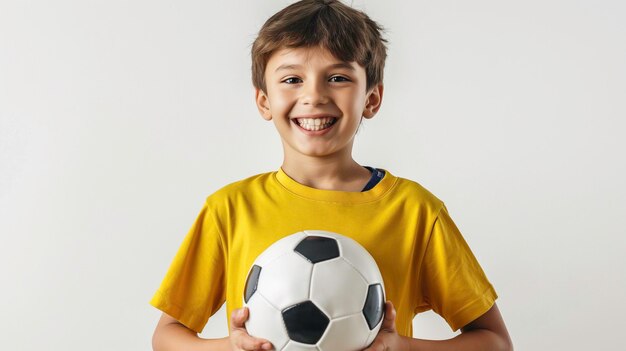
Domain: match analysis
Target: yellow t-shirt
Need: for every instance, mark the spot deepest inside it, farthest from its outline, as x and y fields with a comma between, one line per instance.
x=424, y=260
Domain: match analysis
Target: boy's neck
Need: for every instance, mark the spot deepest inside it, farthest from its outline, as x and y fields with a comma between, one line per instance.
x=327, y=174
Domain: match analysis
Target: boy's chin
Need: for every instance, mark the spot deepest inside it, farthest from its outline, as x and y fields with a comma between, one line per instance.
x=317, y=151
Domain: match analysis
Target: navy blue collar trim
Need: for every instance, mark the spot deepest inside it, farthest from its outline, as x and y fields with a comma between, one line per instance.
x=377, y=175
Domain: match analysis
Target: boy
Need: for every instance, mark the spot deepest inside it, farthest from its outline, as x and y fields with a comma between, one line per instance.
x=318, y=69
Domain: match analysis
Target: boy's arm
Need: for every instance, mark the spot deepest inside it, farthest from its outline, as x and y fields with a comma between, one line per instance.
x=487, y=333
x=171, y=335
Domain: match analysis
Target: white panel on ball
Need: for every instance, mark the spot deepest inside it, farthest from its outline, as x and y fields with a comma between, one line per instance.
x=329, y=280
x=354, y=325
x=278, y=248
x=267, y=321
x=352, y=252
x=296, y=346
x=281, y=292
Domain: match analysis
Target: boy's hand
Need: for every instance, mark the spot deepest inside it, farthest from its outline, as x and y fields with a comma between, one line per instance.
x=239, y=338
x=388, y=338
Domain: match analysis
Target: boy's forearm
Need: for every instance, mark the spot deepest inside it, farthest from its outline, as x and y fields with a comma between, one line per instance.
x=175, y=337
x=477, y=339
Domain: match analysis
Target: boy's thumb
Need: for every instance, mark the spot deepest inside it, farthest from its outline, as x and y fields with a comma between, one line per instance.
x=389, y=322
x=238, y=316
x=241, y=314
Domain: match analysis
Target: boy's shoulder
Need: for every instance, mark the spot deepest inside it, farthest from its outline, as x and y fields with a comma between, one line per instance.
x=413, y=191
x=239, y=188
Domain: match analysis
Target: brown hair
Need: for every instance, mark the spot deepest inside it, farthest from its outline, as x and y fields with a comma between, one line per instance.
x=349, y=34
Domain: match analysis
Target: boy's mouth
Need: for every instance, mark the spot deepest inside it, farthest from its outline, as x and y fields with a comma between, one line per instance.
x=315, y=124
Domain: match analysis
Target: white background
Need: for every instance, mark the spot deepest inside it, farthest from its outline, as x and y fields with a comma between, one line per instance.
x=118, y=118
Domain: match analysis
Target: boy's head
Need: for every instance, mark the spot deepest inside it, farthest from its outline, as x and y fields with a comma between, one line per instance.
x=348, y=34
x=317, y=68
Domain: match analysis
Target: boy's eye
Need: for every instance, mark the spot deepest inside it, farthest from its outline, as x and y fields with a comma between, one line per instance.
x=339, y=79
x=291, y=80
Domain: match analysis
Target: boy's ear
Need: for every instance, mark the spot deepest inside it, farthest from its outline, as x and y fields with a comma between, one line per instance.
x=263, y=104
x=374, y=100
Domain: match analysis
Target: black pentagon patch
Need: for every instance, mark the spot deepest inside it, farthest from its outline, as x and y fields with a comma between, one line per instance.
x=305, y=322
x=251, y=282
x=318, y=248
x=374, y=305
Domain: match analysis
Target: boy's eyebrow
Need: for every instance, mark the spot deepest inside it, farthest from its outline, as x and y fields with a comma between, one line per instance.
x=335, y=65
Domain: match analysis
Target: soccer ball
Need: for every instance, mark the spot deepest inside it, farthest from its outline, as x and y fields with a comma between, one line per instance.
x=315, y=291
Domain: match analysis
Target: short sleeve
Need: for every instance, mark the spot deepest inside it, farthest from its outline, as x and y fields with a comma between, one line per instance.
x=453, y=283
x=194, y=286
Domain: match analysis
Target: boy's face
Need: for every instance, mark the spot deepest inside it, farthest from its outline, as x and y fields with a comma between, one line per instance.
x=316, y=101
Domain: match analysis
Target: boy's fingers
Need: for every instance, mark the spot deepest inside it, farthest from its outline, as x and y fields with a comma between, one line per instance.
x=249, y=343
x=242, y=339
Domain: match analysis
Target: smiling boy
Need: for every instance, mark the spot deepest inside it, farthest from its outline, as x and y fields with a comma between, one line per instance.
x=317, y=68
x=317, y=103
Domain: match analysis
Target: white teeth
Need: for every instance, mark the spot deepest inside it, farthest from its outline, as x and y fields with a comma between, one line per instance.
x=315, y=123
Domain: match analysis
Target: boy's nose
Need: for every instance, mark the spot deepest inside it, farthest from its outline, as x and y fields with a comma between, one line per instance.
x=314, y=94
